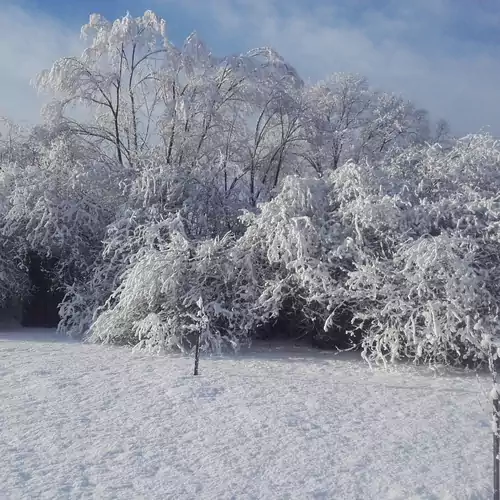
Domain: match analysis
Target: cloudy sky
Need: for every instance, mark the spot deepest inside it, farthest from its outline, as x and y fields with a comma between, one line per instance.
x=442, y=54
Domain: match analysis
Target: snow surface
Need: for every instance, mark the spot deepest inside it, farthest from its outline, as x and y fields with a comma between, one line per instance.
x=87, y=421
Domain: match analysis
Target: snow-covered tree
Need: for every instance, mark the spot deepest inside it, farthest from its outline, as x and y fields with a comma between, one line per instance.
x=346, y=119
x=181, y=192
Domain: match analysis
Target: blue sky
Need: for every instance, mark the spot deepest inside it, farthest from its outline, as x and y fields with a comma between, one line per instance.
x=442, y=54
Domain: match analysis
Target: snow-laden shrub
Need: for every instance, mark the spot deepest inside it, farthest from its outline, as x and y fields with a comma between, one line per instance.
x=425, y=246
x=293, y=256
x=155, y=194
x=131, y=232
x=14, y=282
x=429, y=302
x=172, y=290
x=58, y=205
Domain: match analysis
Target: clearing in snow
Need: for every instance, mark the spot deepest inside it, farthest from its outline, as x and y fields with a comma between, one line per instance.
x=87, y=421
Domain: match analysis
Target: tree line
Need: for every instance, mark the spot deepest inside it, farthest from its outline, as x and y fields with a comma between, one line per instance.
x=178, y=194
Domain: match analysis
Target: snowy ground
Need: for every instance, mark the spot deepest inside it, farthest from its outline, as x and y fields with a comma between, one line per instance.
x=81, y=421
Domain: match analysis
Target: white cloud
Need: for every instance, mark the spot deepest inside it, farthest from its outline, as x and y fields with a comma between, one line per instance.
x=30, y=42
x=464, y=89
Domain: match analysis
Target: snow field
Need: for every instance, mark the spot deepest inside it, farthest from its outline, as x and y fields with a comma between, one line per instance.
x=86, y=421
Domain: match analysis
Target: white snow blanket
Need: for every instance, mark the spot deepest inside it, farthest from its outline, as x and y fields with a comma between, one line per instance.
x=86, y=421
